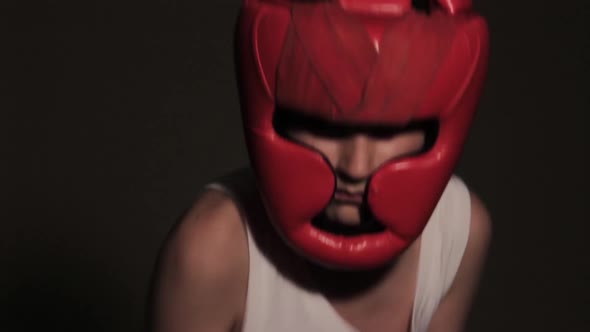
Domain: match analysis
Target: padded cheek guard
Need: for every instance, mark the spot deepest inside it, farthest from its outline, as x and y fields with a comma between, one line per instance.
x=297, y=183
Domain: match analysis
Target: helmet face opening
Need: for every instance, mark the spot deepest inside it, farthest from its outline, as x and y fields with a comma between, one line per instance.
x=286, y=122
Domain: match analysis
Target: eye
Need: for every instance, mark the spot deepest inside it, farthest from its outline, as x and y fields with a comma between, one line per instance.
x=429, y=133
x=290, y=123
x=383, y=132
x=412, y=139
x=287, y=122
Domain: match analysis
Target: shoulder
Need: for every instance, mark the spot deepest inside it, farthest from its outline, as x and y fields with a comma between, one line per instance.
x=479, y=223
x=452, y=312
x=472, y=263
x=480, y=231
x=210, y=238
x=203, y=269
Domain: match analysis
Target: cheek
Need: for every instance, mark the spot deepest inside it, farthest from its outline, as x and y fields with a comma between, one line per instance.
x=329, y=148
x=402, y=145
x=413, y=142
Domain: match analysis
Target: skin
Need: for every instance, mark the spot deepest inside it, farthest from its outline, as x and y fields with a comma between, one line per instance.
x=355, y=157
x=197, y=291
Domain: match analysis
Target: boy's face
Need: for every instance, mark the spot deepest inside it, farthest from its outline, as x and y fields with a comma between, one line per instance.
x=354, y=153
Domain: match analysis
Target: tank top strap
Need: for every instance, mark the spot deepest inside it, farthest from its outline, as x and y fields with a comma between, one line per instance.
x=274, y=302
x=443, y=243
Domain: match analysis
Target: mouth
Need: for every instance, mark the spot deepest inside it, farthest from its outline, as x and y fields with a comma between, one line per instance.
x=345, y=197
x=368, y=223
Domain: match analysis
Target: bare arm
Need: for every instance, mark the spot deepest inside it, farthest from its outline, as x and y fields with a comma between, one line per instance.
x=202, y=276
x=452, y=312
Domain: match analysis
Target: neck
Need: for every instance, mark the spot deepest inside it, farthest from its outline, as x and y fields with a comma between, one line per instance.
x=373, y=298
x=390, y=286
x=343, y=285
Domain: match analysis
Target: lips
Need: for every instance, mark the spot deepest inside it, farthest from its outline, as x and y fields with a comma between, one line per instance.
x=345, y=197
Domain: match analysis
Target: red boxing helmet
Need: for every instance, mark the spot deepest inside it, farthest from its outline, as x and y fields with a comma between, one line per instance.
x=357, y=62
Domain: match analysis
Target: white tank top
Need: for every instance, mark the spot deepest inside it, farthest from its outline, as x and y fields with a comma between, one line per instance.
x=275, y=303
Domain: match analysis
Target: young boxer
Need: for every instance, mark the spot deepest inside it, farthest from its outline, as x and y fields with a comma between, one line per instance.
x=349, y=218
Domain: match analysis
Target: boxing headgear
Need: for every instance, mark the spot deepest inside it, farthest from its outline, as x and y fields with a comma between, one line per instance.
x=365, y=62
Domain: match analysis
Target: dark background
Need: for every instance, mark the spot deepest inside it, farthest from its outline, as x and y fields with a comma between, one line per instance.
x=115, y=113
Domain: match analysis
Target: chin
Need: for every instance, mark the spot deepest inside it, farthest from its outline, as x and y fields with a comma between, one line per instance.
x=346, y=215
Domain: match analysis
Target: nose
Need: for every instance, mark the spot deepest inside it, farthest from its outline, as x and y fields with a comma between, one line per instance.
x=355, y=160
